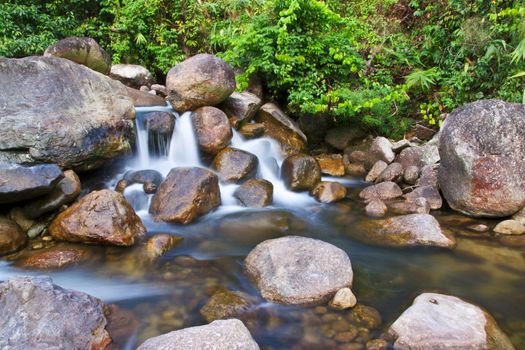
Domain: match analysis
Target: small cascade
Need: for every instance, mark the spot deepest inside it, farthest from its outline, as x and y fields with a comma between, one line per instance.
x=184, y=148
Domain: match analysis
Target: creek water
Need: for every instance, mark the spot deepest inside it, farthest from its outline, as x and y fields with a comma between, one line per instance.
x=168, y=294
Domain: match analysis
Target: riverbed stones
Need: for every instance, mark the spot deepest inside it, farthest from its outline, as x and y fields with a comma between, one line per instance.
x=482, y=152
x=12, y=238
x=298, y=270
x=438, y=321
x=375, y=171
x=331, y=164
x=225, y=304
x=329, y=191
x=510, y=227
x=43, y=315
x=186, y=194
x=255, y=193
x=240, y=107
x=430, y=193
x=281, y=128
x=100, y=217
x=229, y=334
x=235, y=165
x=376, y=208
x=212, y=129
x=85, y=51
x=300, y=172
x=132, y=75
x=88, y=121
x=343, y=299
x=384, y=191
x=201, y=80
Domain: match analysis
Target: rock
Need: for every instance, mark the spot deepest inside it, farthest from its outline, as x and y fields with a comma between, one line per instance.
x=218, y=335
x=376, y=208
x=510, y=227
x=482, y=148
x=353, y=169
x=235, y=165
x=364, y=316
x=100, y=217
x=358, y=157
x=375, y=171
x=57, y=257
x=132, y=75
x=377, y=344
x=479, y=228
x=520, y=215
x=438, y=321
x=186, y=194
x=419, y=156
x=343, y=299
x=384, y=191
x=212, y=128
x=300, y=172
x=414, y=206
x=12, y=238
x=18, y=216
x=281, y=128
x=46, y=316
x=149, y=178
x=331, y=164
x=20, y=183
x=225, y=304
x=201, y=80
x=329, y=192
x=393, y=172
x=160, y=89
x=65, y=192
x=252, y=130
x=314, y=127
x=161, y=123
x=240, y=107
x=401, y=145
x=255, y=193
x=429, y=176
x=144, y=99
x=298, y=270
x=160, y=243
x=407, y=231
x=411, y=174
x=431, y=194
x=85, y=51
x=424, y=133
x=122, y=326
x=340, y=137
x=380, y=149
x=86, y=123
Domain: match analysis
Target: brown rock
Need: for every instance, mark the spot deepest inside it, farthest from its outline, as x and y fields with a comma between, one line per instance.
x=510, y=227
x=57, y=257
x=424, y=133
x=235, y=165
x=358, y=157
x=331, y=164
x=103, y=217
x=85, y=51
x=377, y=344
x=300, y=172
x=343, y=299
x=12, y=238
x=122, y=326
x=241, y=107
x=161, y=243
x=225, y=304
x=212, y=128
x=415, y=206
x=252, y=130
x=376, y=208
x=329, y=192
x=431, y=194
x=384, y=191
x=375, y=171
x=255, y=193
x=353, y=169
x=393, y=172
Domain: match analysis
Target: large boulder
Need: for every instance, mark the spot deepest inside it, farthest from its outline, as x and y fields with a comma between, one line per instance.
x=300, y=172
x=241, y=107
x=186, y=194
x=281, y=128
x=212, y=128
x=103, y=217
x=85, y=51
x=201, y=80
x=438, y=321
x=482, y=149
x=12, y=238
x=229, y=334
x=298, y=270
x=88, y=120
x=235, y=165
x=43, y=315
x=132, y=75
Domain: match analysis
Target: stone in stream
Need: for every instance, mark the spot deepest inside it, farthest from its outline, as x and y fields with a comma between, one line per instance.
x=12, y=238
x=300, y=172
x=240, y=107
x=376, y=208
x=100, y=217
x=380, y=149
x=212, y=129
x=414, y=206
x=419, y=156
x=55, y=258
x=331, y=164
x=85, y=51
x=393, y=172
x=431, y=194
x=88, y=121
x=384, y=191
x=252, y=130
x=149, y=178
x=329, y=191
x=298, y=270
x=160, y=243
x=235, y=165
x=255, y=193
x=161, y=123
x=510, y=227
x=482, y=149
x=438, y=321
x=229, y=334
x=375, y=171
x=186, y=194
x=343, y=299
x=225, y=304
x=201, y=80
x=43, y=315
x=132, y=75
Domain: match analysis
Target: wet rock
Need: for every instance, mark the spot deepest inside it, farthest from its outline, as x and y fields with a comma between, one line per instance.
x=298, y=270
x=161, y=123
x=343, y=299
x=510, y=227
x=20, y=183
x=281, y=128
x=365, y=316
x=144, y=99
x=411, y=174
x=437, y=321
x=65, y=192
x=419, y=156
x=218, y=335
x=86, y=123
x=57, y=257
x=255, y=193
x=201, y=80
x=300, y=172
x=252, y=130
x=66, y=319
x=482, y=152
x=150, y=179
x=431, y=194
x=225, y=304
x=384, y=191
x=479, y=228
x=414, y=206
x=240, y=107
x=12, y=238
x=160, y=243
x=101, y=217
x=377, y=344
x=132, y=75
x=376, y=208
x=212, y=128
x=393, y=172
x=380, y=149
x=341, y=137
x=122, y=326
x=408, y=230
x=186, y=194
x=331, y=164
x=85, y=51
x=375, y=171
x=235, y=165
x=329, y=191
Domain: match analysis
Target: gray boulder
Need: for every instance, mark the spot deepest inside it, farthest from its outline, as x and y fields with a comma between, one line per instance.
x=132, y=75
x=241, y=107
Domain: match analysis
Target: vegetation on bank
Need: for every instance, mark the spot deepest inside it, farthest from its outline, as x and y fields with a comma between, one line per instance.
x=378, y=63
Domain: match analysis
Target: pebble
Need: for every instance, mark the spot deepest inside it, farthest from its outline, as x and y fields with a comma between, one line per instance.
x=343, y=299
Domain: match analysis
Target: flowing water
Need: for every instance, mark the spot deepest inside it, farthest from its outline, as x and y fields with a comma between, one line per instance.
x=168, y=294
